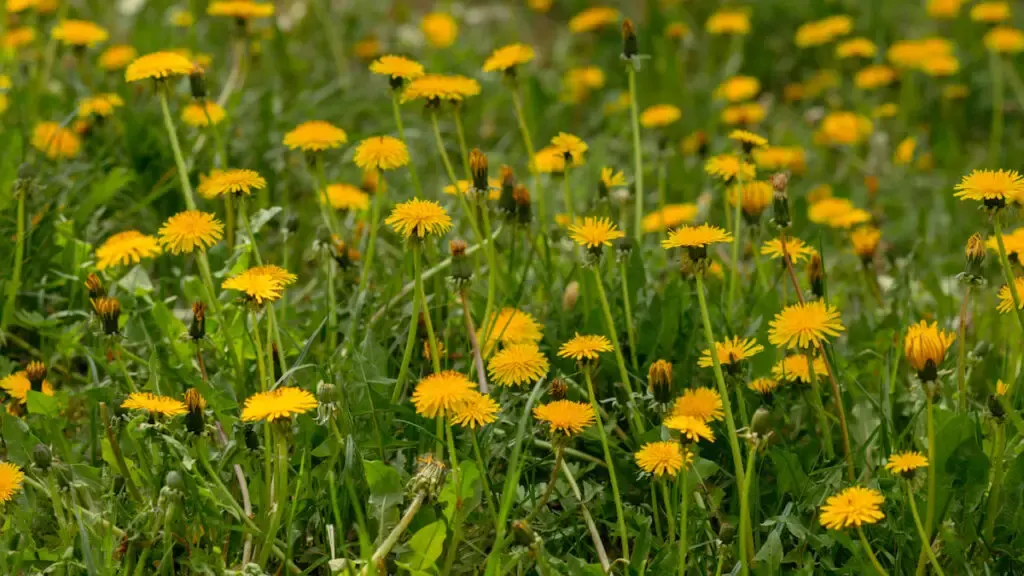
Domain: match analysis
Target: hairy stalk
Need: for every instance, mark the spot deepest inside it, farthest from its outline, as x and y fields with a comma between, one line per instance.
x=364, y=278
x=280, y=496
x=435, y=357
x=737, y=235
x=179, y=160
x=922, y=559
x=819, y=409
x=488, y=495
x=669, y=512
x=635, y=423
x=524, y=131
x=410, y=344
x=397, y=111
x=621, y=517
x=961, y=356
x=385, y=547
x=549, y=488
x=1008, y=274
x=638, y=162
x=630, y=330
x=115, y=448
x=567, y=196
x=478, y=360
x=926, y=546
x=996, y=483
x=595, y=536
x=684, y=505
x=870, y=552
x=449, y=560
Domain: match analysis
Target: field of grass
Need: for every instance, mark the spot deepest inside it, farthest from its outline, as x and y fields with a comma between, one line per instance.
x=667, y=287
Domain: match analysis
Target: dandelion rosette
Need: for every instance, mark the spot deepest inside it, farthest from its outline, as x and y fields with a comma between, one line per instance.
x=277, y=404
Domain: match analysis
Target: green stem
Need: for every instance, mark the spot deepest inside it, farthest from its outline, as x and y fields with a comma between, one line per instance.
x=375, y=209
x=638, y=163
x=837, y=396
x=179, y=160
x=819, y=408
x=567, y=196
x=14, y=286
x=871, y=553
x=925, y=544
x=1008, y=274
x=410, y=343
x=996, y=136
x=737, y=234
x=619, y=360
x=669, y=513
x=218, y=310
x=280, y=495
x=403, y=524
x=930, y=510
x=326, y=210
x=332, y=330
x=260, y=360
x=630, y=330
x=244, y=213
x=461, y=134
x=115, y=448
x=124, y=369
x=996, y=488
x=747, y=542
x=524, y=131
x=488, y=495
x=961, y=357
x=449, y=560
x=435, y=357
x=684, y=533
x=413, y=175
x=623, y=535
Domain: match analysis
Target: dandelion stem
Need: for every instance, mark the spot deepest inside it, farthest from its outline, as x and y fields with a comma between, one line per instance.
x=996, y=488
x=244, y=213
x=115, y=448
x=478, y=360
x=549, y=488
x=524, y=131
x=258, y=345
x=630, y=330
x=925, y=544
x=124, y=368
x=488, y=495
x=1008, y=274
x=870, y=552
x=410, y=342
x=461, y=135
x=179, y=160
x=961, y=358
x=396, y=109
x=449, y=560
x=737, y=234
x=326, y=210
x=669, y=513
x=623, y=535
x=280, y=495
x=567, y=196
x=930, y=510
x=435, y=357
x=364, y=278
x=595, y=536
x=819, y=408
x=638, y=162
x=838, y=398
x=19, y=255
x=332, y=331
x=396, y=533
x=635, y=423
x=684, y=505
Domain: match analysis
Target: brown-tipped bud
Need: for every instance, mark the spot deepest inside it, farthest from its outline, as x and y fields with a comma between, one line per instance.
x=726, y=533
x=478, y=167
x=524, y=212
x=197, y=82
x=461, y=270
x=195, y=421
x=94, y=285
x=871, y=183
x=197, y=329
x=507, y=200
x=524, y=534
x=995, y=407
x=429, y=477
x=326, y=393
x=623, y=247
x=761, y=423
x=344, y=255
x=109, y=311
x=570, y=296
x=975, y=252
x=558, y=389
x=629, y=43
x=816, y=276
x=659, y=381
x=36, y=373
x=780, y=200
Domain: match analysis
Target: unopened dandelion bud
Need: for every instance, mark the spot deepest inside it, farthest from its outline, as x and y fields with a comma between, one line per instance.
x=461, y=269
x=174, y=481
x=995, y=408
x=570, y=296
x=197, y=328
x=94, y=285
x=429, y=476
x=780, y=200
x=251, y=438
x=343, y=254
x=629, y=43
x=197, y=83
x=524, y=535
x=195, y=420
x=726, y=533
x=524, y=211
x=816, y=276
x=36, y=374
x=507, y=200
x=659, y=381
x=623, y=247
x=975, y=253
x=42, y=457
x=109, y=311
x=871, y=183
x=761, y=423
x=558, y=389
x=478, y=167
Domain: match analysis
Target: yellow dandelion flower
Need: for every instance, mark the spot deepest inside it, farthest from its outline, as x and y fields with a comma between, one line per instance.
x=440, y=29
x=829, y=208
x=1005, y=39
x=347, y=197
x=262, y=283
x=797, y=250
x=696, y=237
x=518, y=364
x=240, y=9
x=925, y=347
x=540, y=6
x=593, y=18
x=595, y=232
x=55, y=141
x=845, y=128
x=381, y=153
x=660, y=458
x=279, y=403
x=101, y=105
x=823, y=31
x=914, y=53
x=677, y=31
x=728, y=167
x=904, y=152
x=17, y=386
x=508, y=57
x=368, y=48
x=611, y=179
x=865, y=241
x=580, y=82
x=1006, y=297
x=549, y=160
x=128, y=247
x=944, y=9
x=419, y=217
x=11, y=478
x=859, y=47
x=943, y=65
x=993, y=187
x=565, y=416
x=475, y=411
x=671, y=216
x=154, y=404
x=874, y=76
x=763, y=386
x=906, y=462
x=466, y=186
x=746, y=114
x=749, y=140
x=804, y=325
x=397, y=67
x=20, y=37
x=315, y=136
x=15, y=6
x=1001, y=388
x=510, y=326
x=854, y=506
x=79, y=33
x=659, y=116
x=237, y=181
x=584, y=347
x=704, y=404
x=887, y=110
x=728, y=21
x=158, y=65
x=690, y=429
x=191, y=229
x=200, y=115
x=440, y=393
x=754, y=197
x=437, y=87
x=571, y=147
x=181, y=18
x=117, y=57
x=738, y=88
x=990, y=12
x=797, y=369
x=730, y=351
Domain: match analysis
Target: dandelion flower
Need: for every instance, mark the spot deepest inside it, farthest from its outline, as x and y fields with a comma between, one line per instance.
x=944, y=9
x=17, y=386
x=754, y=197
x=565, y=416
x=128, y=247
x=763, y=386
x=158, y=65
x=101, y=105
x=690, y=429
x=796, y=369
x=593, y=18
x=990, y=12
x=731, y=351
x=696, y=237
x=549, y=160
x=191, y=229
x=660, y=458
x=419, y=218
x=659, y=116
x=1006, y=297
x=475, y=411
x=1001, y=388
x=237, y=181
x=845, y=128
x=202, y=114
x=21, y=37
x=381, y=153
x=436, y=87
x=11, y=478
x=748, y=140
x=795, y=248
x=79, y=33
x=399, y=68
x=1005, y=39
x=738, y=88
x=905, y=463
x=704, y=404
x=993, y=187
x=854, y=506
x=506, y=58
x=670, y=216
x=440, y=29
x=595, y=232
x=745, y=114
x=584, y=347
x=438, y=394
x=805, y=325
x=729, y=167
x=570, y=146
x=315, y=136
x=282, y=402
x=925, y=347
x=262, y=283
x=728, y=21
x=347, y=197
x=874, y=76
x=154, y=404
x=865, y=241
x=241, y=9
x=510, y=326
x=859, y=47
x=518, y=364
x=55, y=141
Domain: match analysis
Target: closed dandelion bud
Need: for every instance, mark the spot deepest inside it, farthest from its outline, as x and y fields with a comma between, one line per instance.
x=659, y=381
x=197, y=329
x=524, y=212
x=429, y=477
x=252, y=439
x=871, y=183
x=995, y=407
x=36, y=373
x=478, y=167
x=816, y=276
x=570, y=296
x=761, y=423
x=109, y=311
x=629, y=43
x=975, y=253
x=461, y=270
x=94, y=285
x=195, y=421
x=342, y=254
x=558, y=389
x=726, y=533
x=174, y=481
x=780, y=200
x=42, y=457
x=624, y=247
x=197, y=82
x=507, y=200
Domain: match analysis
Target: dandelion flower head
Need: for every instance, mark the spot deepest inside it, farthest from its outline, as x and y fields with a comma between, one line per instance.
x=279, y=403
